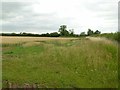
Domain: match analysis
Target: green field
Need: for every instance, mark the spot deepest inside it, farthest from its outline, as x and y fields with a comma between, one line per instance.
x=74, y=63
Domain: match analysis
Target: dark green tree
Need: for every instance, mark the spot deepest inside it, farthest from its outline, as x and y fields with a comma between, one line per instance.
x=54, y=34
x=71, y=32
x=82, y=34
x=63, y=30
x=90, y=32
x=97, y=32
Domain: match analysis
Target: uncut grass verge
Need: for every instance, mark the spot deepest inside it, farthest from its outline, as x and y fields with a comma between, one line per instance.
x=72, y=63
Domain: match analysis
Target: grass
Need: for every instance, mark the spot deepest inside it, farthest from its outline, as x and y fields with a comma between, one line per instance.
x=112, y=36
x=76, y=63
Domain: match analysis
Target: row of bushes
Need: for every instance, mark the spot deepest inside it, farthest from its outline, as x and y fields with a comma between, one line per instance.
x=54, y=34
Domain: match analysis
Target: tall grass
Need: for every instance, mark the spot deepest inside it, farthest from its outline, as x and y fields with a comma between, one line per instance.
x=56, y=63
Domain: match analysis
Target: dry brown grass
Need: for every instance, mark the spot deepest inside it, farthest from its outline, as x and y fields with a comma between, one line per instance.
x=12, y=40
x=101, y=39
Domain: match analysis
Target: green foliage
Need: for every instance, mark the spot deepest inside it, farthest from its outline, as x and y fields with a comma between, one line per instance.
x=112, y=36
x=54, y=34
x=89, y=32
x=97, y=32
x=71, y=32
x=82, y=34
x=63, y=30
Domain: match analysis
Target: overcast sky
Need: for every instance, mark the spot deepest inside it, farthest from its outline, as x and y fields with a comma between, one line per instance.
x=41, y=16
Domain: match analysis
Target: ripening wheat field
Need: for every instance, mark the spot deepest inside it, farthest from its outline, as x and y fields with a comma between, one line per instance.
x=60, y=62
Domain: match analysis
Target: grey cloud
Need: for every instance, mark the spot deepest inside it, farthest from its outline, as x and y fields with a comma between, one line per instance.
x=106, y=9
x=119, y=16
x=100, y=5
x=10, y=10
x=30, y=20
x=20, y=16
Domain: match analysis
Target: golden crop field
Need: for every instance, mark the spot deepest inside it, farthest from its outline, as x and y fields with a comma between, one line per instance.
x=12, y=39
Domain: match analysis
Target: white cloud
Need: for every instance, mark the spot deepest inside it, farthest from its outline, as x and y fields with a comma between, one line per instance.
x=47, y=15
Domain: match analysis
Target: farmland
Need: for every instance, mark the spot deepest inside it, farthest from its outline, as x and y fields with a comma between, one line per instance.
x=60, y=62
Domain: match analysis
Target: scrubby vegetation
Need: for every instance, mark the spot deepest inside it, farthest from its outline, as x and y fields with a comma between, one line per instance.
x=112, y=36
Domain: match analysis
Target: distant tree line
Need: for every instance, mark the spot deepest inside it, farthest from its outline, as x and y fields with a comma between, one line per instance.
x=54, y=34
x=90, y=33
x=62, y=32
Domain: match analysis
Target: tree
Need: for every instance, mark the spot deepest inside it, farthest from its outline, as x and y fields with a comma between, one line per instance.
x=54, y=34
x=82, y=34
x=71, y=32
x=63, y=30
x=13, y=34
x=90, y=32
x=97, y=32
